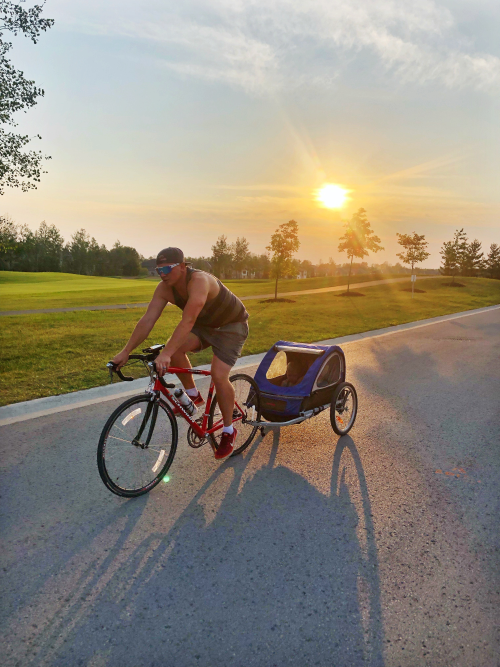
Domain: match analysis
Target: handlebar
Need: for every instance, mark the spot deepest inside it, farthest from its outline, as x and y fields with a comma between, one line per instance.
x=150, y=355
x=148, y=358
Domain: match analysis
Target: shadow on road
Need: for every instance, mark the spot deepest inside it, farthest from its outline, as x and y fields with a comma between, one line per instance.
x=277, y=577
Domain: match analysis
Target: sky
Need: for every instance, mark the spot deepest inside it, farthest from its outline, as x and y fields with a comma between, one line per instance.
x=172, y=123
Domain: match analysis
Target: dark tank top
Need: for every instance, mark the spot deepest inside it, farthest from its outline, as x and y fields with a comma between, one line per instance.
x=226, y=308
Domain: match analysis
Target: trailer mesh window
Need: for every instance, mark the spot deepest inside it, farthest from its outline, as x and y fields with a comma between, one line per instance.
x=330, y=373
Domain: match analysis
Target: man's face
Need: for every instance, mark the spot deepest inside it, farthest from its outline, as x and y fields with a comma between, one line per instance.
x=174, y=275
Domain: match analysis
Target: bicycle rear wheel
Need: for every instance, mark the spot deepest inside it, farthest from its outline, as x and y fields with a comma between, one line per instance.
x=246, y=406
x=137, y=446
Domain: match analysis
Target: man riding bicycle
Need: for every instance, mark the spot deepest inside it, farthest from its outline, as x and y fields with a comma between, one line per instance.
x=212, y=316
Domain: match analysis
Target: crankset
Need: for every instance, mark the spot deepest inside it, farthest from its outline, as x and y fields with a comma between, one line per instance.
x=194, y=439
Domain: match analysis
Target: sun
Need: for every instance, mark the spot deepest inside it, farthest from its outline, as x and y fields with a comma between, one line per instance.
x=332, y=196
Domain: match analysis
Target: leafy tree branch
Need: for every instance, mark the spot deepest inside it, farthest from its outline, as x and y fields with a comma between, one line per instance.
x=18, y=168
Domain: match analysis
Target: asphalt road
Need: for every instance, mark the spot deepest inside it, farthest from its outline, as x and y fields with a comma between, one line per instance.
x=380, y=548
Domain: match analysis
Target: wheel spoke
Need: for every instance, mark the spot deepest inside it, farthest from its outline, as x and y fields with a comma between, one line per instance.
x=130, y=469
x=344, y=408
x=114, y=436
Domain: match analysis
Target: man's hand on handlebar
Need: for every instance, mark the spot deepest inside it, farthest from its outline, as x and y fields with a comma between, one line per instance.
x=162, y=363
x=120, y=359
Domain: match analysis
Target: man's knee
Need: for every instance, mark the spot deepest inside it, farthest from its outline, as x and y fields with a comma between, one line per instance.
x=220, y=370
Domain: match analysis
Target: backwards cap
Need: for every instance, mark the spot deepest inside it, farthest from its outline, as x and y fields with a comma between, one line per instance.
x=170, y=256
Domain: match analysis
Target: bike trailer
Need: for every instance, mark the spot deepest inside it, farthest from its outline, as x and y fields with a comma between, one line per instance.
x=318, y=369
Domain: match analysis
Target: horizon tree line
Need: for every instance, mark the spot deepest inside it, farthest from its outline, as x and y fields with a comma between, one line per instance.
x=22, y=249
x=44, y=249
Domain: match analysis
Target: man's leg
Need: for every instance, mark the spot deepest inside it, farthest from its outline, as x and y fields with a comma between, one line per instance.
x=224, y=389
x=180, y=359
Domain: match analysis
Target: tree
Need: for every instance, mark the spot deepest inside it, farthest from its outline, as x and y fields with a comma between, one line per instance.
x=493, y=261
x=284, y=242
x=326, y=268
x=473, y=259
x=358, y=239
x=48, y=245
x=222, y=256
x=332, y=268
x=96, y=256
x=8, y=241
x=26, y=248
x=77, y=253
x=240, y=253
x=306, y=266
x=259, y=264
x=452, y=253
x=414, y=249
x=131, y=261
x=18, y=168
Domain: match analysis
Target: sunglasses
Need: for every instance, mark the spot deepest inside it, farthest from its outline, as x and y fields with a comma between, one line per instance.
x=165, y=270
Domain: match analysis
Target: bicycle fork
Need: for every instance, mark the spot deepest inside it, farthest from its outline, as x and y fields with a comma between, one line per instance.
x=152, y=409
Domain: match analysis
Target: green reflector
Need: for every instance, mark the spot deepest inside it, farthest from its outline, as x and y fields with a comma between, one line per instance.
x=166, y=478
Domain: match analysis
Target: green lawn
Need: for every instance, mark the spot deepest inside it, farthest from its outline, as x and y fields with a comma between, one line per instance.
x=43, y=355
x=30, y=291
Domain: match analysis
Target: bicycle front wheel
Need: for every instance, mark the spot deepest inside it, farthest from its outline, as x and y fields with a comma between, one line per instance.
x=246, y=407
x=137, y=446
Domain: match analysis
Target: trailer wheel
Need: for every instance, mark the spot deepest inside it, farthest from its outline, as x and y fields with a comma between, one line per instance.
x=344, y=408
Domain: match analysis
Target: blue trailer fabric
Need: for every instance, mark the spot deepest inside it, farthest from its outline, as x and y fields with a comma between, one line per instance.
x=288, y=400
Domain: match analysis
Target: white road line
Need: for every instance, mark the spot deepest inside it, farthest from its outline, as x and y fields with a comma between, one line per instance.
x=42, y=407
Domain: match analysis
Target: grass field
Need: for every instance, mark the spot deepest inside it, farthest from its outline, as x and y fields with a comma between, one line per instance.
x=30, y=291
x=43, y=355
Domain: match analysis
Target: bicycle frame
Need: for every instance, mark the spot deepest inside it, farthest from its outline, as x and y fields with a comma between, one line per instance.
x=201, y=431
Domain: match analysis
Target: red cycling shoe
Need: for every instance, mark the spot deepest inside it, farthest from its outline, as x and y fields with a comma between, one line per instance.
x=197, y=400
x=225, y=447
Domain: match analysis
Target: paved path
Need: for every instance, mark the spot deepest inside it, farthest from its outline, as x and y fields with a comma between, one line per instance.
x=123, y=306
x=380, y=548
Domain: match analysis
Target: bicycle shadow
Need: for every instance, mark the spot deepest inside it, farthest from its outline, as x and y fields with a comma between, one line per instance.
x=277, y=577
x=37, y=496
x=119, y=522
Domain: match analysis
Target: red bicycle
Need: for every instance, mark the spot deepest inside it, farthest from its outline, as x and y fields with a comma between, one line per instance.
x=138, y=442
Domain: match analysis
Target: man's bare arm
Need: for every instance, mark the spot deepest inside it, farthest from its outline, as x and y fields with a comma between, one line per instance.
x=144, y=325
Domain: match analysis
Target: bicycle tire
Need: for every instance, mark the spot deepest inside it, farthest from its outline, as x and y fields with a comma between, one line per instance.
x=246, y=433
x=118, y=475
x=338, y=408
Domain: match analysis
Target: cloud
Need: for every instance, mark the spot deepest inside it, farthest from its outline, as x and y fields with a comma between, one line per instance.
x=422, y=170
x=264, y=46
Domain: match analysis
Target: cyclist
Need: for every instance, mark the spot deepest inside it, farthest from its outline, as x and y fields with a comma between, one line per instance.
x=212, y=316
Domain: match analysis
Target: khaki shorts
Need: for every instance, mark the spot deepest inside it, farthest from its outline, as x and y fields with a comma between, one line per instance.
x=226, y=342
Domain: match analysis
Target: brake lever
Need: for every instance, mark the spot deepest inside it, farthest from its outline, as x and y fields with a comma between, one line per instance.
x=152, y=365
x=112, y=369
